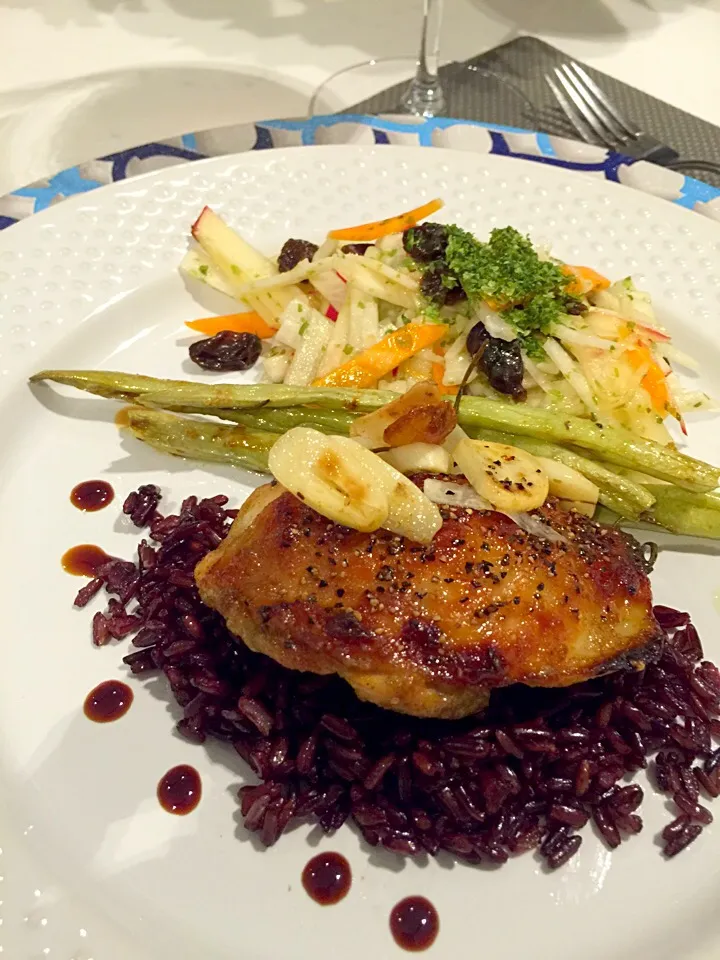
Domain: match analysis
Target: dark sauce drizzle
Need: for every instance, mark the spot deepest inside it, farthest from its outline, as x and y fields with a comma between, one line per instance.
x=84, y=560
x=414, y=923
x=327, y=878
x=180, y=790
x=91, y=495
x=108, y=701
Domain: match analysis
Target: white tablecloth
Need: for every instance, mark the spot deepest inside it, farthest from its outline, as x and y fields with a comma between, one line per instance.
x=80, y=78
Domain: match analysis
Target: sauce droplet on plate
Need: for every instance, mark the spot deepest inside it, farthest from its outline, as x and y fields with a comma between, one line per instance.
x=327, y=878
x=414, y=923
x=91, y=495
x=108, y=701
x=180, y=790
x=84, y=560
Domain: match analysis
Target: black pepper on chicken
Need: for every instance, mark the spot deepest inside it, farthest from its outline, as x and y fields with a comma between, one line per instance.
x=431, y=630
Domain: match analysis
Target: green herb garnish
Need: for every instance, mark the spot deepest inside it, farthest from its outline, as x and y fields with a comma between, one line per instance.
x=537, y=316
x=431, y=312
x=507, y=273
x=532, y=346
x=506, y=269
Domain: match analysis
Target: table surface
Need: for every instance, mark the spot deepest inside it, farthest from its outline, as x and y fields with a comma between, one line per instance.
x=81, y=78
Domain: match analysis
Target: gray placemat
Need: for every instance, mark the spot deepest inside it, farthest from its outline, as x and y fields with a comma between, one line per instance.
x=523, y=62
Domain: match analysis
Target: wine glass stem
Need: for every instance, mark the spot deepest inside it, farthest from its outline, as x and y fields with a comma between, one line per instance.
x=425, y=96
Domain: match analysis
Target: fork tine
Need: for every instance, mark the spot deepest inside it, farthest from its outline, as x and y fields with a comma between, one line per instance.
x=612, y=133
x=616, y=131
x=599, y=132
x=584, y=131
x=611, y=108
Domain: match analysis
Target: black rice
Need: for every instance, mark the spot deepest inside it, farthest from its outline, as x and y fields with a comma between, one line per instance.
x=527, y=775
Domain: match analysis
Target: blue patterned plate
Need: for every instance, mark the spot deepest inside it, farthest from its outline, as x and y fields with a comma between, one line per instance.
x=349, y=128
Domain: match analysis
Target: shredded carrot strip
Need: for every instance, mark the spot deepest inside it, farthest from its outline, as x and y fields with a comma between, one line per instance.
x=367, y=367
x=438, y=372
x=653, y=381
x=586, y=280
x=237, y=322
x=497, y=305
x=383, y=228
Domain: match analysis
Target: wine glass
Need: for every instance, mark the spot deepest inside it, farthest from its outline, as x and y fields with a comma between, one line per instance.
x=425, y=95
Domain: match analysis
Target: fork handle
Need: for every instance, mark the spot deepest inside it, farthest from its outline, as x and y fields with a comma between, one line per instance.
x=706, y=166
x=662, y=155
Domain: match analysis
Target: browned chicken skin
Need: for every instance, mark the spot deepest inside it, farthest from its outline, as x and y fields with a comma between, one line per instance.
x=430, y=630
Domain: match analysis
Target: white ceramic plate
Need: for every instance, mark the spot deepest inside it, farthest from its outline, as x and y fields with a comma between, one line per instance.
x=93, y=868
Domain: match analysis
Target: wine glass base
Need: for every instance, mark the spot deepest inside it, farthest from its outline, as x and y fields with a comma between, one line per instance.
x=361, y=81
x=423, y=101
x=468, y=92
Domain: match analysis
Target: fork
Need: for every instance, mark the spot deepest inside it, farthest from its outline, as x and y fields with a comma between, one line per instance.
x=598, y=120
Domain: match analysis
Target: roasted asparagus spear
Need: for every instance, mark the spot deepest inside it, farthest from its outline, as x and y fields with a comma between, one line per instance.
x=611, y=444
x=236, y=446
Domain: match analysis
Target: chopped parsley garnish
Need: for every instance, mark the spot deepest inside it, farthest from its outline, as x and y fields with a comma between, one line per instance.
x=347, y=349
x=532, y=346
x=431, y=312
x=537, y=316
x=303, y=327
x=507, y=273
x=203, y=268
x=505, y=270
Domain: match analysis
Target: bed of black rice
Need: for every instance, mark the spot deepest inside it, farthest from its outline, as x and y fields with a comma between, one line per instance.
x=527, y=775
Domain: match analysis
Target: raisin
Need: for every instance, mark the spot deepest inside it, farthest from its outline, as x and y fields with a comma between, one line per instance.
x=356, y=248
x=427, y=242
x=294, y=252
x=477, y=338
x=226, y=351
x=575, y=307
x=441, y=286
x=503, y=366
x=431, y=286
x=454, y=294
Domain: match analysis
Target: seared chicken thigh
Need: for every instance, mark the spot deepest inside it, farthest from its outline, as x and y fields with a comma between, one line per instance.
x=430, y=630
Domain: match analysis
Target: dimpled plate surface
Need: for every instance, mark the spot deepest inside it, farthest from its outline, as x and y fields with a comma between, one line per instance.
x=91, y=868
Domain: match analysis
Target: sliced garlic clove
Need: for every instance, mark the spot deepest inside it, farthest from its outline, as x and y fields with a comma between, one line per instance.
x=333, y=475
x=420, y=457
x=350, y=485
x=567, y=483
x=410, y=513
x=510, y=478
